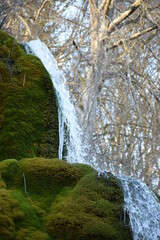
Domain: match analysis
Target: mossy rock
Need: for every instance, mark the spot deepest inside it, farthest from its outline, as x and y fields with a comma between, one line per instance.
x=59, y=201
x=88, y=212
x=45, y=176
x=28, y=105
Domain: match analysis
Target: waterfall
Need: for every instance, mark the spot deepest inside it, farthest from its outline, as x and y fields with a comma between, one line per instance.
x=143, y=208
x=70, y=134
x=140, y=202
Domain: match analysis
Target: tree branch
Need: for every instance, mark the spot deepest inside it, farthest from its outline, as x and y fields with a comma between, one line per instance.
x=132, y=37
x=28, y=30
x=124, y=15
x=40, y=9
x=93, y=13
x=93, y=6
x=105, y=4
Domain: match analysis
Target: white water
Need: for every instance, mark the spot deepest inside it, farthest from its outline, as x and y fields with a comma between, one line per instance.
x=143, y=208
x=139, y=202
x=70, y=133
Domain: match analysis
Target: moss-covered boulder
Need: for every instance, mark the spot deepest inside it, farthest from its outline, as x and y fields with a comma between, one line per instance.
x=28, y=106
x=48, y=199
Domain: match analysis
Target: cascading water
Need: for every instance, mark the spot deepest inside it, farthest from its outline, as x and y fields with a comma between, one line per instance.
x=139, y=202
x=70, y=133
x=143, y=208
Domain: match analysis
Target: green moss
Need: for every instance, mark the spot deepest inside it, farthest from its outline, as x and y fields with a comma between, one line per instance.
x=6, y=227
x=45, y=176
x=59, y=201
x=87, y=212
x=18, y=217
x=9, y=46
x=28, y=106
x=4, y=71
x=9, y=214
x=8, y=170
x=30, y=217
x=31, y=234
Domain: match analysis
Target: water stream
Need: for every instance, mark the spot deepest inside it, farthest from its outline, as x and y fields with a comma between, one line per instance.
x=140, y=202
x=70, y=134
x=143, y=208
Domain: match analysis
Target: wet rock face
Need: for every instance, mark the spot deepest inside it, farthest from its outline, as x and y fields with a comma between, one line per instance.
x=59, y=201
x=28, y=105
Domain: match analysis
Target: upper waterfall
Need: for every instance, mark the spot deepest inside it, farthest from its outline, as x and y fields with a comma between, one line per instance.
x=70, y=133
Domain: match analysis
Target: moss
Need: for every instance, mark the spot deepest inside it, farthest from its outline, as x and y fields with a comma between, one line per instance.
x=18, y=217
x=8, y=169
x=2, y=184
x=50, y=176
x=61, y=201
x=30, y=217
x=4, y=71
x=31, y=234
x=9, y=47
x=28, y=105
x=87, y=212
x=6, y=228
x=9, y=214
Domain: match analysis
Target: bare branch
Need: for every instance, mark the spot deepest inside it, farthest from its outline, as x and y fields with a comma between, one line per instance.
x=40, y=9
x=107, y=8
x=105, y=4
x=124, y=15
x=93, y=5
x=28, y=30
x=132, y=37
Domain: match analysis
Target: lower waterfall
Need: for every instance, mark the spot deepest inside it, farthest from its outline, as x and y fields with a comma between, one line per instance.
x=143, y=208
x=140, y=203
